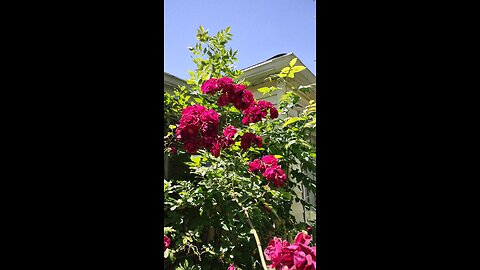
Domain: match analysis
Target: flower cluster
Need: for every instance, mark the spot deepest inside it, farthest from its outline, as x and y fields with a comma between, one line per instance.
x=257, y=111
x=296, y=256
x=248, y=139
x=199, y=128
x=270, y=169
x=236, y=94
x=166, y=242
x=241, y=98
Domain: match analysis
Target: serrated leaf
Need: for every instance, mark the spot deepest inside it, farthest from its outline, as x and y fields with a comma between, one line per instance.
x=293, y=61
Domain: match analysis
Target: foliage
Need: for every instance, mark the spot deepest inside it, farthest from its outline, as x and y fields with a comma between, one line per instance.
x=205, y=208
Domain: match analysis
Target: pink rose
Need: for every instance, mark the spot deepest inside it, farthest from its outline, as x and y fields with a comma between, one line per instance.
x=231, y=267
x=270, y=159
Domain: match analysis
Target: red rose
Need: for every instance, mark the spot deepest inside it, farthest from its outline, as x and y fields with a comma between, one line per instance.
x=229, y=131
x=166, y=242
x=225, y=83
x=276, y=175
x=191, y=147
x=222, y=100
x=258, y=141
x=273, y=113
x=248, y=138
x=256, y=165
x=216, y=149
x=210, y=86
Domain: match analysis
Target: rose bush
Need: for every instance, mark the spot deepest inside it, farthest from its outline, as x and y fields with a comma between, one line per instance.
x=233, y=183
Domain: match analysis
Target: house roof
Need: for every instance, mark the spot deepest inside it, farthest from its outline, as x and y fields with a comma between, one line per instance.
x=257, y=73
x=172, y=80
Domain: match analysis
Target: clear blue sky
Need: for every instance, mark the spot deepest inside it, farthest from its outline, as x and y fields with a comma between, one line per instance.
x=260, y=29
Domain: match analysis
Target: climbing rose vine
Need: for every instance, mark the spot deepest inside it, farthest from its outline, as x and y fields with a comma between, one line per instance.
x=224, y=147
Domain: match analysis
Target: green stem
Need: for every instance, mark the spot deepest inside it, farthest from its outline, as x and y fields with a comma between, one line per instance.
x=257, y=239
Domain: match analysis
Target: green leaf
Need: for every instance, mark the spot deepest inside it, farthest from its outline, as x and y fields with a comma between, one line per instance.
x=292, y=63
x=297, y=69
x=172, y=126
x=196, y=159
x=278, y=156
x=292, y=120
x=285, y=70
x=264, y=90
x=290, y=143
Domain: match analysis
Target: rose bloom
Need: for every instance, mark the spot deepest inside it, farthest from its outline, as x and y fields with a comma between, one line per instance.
x=278, y=254
x=229, y=131
x=216, y=149
x=270, y=159
x=191, y=147
x=245, y=101
x=256, y=165
x=297, y=256
x=276, y=175
x=231, y=267
x=225, y=83
x=222, y=100
x=248, y=138
x=210, y=86
x=258, y=141
x=273, y=113
x=166, y=242
x=304, y=257
x=210, y=116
